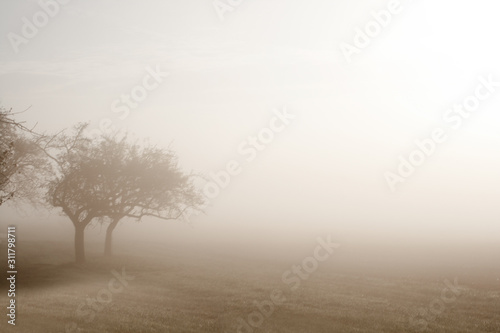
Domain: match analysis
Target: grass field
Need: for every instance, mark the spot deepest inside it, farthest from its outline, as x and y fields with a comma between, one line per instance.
x=201, y=291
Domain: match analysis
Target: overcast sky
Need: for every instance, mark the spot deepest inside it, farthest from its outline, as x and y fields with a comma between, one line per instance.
x=325, y=170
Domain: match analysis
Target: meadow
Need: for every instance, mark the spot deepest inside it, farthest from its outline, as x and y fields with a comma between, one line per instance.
x=168, y=288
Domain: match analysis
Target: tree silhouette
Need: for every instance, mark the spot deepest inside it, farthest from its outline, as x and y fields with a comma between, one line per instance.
x=143, y=180
x=21, y=164
x=110, y=178
x=75, y=184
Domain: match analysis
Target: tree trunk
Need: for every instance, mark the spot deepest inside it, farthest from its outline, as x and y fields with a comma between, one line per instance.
x=79, y=245
x=109, y=233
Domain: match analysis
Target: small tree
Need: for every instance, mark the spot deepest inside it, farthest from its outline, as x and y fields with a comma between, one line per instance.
x=143, y=180
x=76, y=183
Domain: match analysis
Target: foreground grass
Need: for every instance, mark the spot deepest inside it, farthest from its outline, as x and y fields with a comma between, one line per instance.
x=177, y=293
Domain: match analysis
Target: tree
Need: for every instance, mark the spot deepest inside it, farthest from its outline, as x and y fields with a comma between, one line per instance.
x=143, y=180
x=109, y=178
x=75, y=185
x=21, y=163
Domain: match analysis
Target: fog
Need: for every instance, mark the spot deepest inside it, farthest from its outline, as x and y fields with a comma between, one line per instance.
x=371, y=125
x=325, y=170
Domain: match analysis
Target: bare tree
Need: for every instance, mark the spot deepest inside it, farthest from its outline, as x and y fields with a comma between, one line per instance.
x=143, y=180
x=76, y=183
x=21, y=163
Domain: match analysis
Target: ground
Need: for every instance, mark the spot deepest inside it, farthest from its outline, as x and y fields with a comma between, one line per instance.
x=173, y=291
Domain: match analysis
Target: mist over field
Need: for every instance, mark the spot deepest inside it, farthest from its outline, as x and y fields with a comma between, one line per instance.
x=249, y=166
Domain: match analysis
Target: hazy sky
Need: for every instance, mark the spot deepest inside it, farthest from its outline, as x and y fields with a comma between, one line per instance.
x=325, y=171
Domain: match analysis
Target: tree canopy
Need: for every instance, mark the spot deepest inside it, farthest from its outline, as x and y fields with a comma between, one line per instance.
x=143, y=180
x=21, y=164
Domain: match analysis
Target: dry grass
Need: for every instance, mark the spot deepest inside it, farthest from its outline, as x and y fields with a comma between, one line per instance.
x=182, y=293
